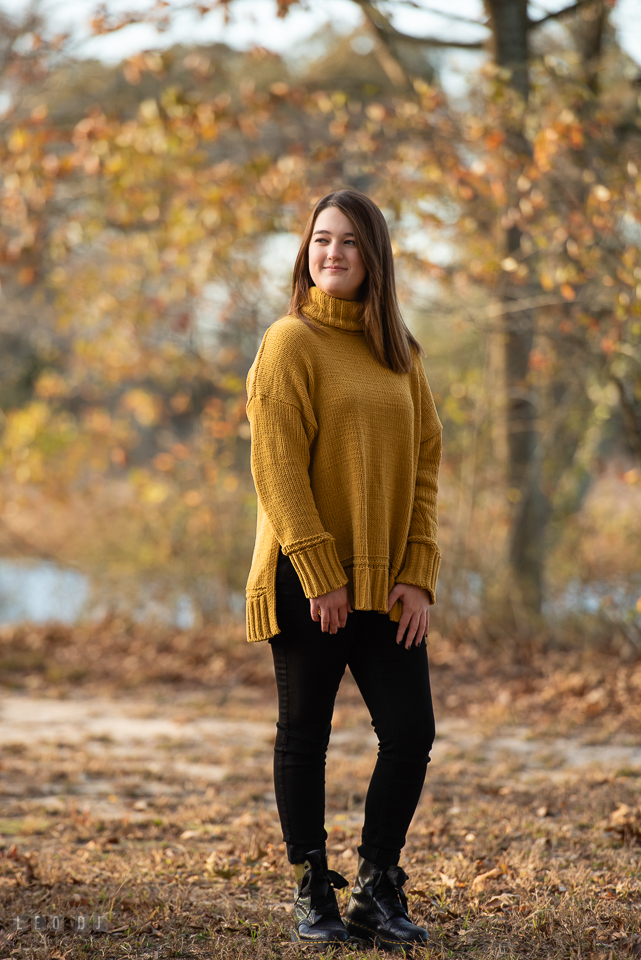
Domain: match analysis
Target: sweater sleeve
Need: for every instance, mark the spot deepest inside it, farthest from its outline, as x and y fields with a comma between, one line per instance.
x=283, y=428
x=423, y=557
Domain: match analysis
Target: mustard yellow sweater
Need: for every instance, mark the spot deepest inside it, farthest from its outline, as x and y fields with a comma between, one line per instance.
x=345, y=458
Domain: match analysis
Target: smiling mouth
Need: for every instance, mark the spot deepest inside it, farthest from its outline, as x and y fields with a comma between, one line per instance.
x=336, y=269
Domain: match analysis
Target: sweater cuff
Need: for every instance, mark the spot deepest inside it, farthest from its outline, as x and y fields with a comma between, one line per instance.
x=319, y=569
x=422, y=562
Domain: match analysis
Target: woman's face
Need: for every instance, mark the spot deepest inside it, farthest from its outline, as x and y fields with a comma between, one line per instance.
x=335, y=263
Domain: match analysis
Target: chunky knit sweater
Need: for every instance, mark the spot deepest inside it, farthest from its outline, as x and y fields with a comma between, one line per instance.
x=345, y=458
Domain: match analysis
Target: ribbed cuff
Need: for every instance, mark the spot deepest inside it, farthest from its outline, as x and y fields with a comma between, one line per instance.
x=422, y=563
x=319, y=569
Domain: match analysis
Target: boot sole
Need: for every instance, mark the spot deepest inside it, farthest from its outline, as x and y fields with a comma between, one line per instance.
x=393, y=946
x=318, y=943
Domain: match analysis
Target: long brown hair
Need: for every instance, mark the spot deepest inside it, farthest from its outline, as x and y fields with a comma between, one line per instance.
x=385, y=331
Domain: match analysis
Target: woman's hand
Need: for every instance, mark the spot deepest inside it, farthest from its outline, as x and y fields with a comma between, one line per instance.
x=416, y=613
x=331, y=609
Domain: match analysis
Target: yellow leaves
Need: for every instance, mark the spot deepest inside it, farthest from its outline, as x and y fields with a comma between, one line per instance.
x=11, y=182
x=573, y=249
x=50, y=385
x=105, y=302
x=376, y=112
x=601, y=193
x=509, y=264
x=23, y=425
x=526, y=207
x=17, y=141
x=323, y=102
x=473, y=128
x=114, y=163
x=567, y=291
x=151, y=213
x=151, y=490
x=125, y=137
x=33, y=439
x=154, y=492
x=547, y=281
x=73, y=234
x=144, y=406
x=148, y=110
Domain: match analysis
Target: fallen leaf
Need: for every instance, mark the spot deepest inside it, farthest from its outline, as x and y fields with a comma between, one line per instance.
x=626, y=821
x=482, y=878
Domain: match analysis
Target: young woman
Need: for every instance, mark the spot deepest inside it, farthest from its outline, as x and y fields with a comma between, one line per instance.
x=346, y=446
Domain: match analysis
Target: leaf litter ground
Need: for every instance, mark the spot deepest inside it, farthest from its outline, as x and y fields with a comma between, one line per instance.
x=136, y=785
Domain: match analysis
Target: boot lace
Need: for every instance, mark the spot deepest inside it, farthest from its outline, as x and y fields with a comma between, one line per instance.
x=390, y=889
x=319, y=884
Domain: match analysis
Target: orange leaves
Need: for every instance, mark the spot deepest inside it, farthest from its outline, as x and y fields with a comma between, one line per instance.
x=144, y=406
x=283, y=6
x=51, y=385
x=540, y=361
x=164, y=462
x=498, y=191
x=148, y=61
x=494, y=139
x=26, y=276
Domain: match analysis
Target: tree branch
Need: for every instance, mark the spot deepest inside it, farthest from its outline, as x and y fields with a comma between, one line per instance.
x=631, y=418
x=559, y=13
x=390, y=35
x=441, y=13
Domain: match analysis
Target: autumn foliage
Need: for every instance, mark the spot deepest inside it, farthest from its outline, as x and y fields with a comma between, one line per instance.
x=139, y=240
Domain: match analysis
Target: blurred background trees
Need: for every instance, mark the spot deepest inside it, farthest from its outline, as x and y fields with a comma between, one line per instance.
x=149, y=218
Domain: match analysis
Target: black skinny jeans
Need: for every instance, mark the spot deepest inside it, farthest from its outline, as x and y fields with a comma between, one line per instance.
x=395, y=685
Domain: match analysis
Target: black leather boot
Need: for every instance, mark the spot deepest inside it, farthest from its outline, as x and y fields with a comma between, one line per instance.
x=316, y=915
x=377, y=910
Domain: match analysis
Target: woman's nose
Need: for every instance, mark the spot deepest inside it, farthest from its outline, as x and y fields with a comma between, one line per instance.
x=334, y=253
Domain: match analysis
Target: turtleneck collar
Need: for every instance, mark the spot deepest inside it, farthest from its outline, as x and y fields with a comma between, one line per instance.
x=343, y=314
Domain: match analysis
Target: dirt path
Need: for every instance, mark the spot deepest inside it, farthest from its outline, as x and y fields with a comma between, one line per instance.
x=165, y=749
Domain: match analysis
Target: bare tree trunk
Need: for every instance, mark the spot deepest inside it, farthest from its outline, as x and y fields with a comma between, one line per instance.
x=509, y=24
